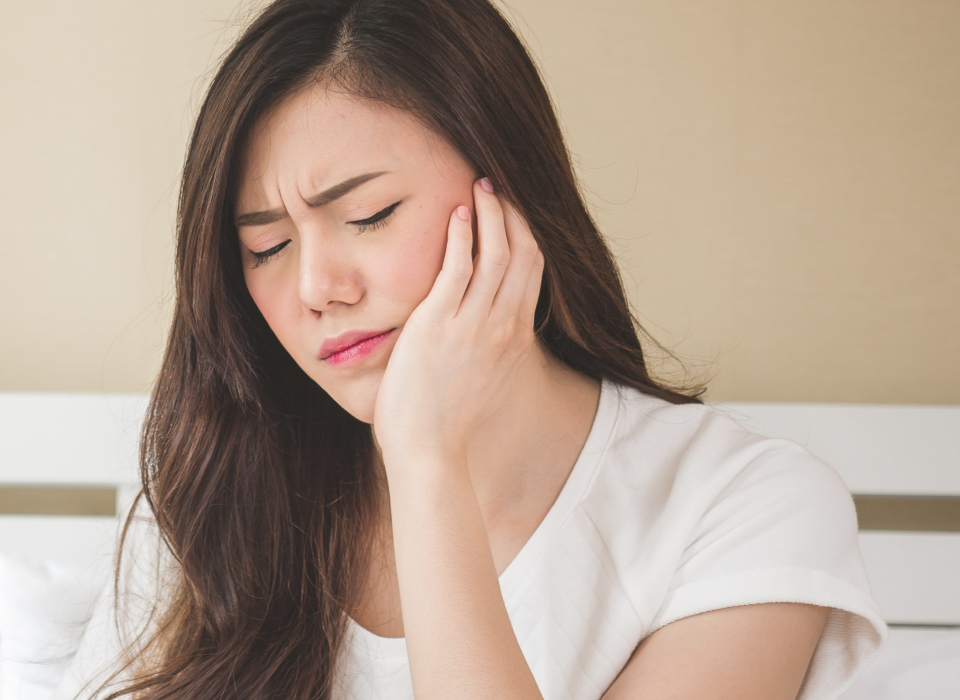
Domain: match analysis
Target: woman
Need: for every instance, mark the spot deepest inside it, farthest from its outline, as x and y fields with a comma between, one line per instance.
x=404, y=441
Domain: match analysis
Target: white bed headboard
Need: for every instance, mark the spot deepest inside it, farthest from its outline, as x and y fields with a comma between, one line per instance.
x=68, y=466
x=902, y=464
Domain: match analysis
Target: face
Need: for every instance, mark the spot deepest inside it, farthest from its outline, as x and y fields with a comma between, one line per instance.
x=342, y=216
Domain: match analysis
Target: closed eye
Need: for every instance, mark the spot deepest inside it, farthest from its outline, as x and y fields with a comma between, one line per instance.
x=265, y=255
x=377, y=220
x=374, y=222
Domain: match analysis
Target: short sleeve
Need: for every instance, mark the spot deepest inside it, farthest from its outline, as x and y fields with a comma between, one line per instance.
x=784, y=529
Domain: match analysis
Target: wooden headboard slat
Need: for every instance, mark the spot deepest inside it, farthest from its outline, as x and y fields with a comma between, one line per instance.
x=874, y=512
x=908, y=513
x=58, y=500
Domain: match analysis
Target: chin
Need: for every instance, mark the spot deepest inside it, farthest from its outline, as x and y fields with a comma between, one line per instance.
x=357, y=396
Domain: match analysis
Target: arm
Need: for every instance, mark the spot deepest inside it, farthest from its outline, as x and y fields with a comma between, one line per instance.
x=451, y=368
x=750, y=652
x=459, y=638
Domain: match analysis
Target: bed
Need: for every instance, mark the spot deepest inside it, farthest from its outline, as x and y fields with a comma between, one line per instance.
x=68, y=470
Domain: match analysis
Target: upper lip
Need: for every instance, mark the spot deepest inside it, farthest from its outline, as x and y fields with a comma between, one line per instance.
x=343, y=341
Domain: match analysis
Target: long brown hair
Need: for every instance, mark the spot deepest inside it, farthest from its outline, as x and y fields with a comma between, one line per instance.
x=263, y=488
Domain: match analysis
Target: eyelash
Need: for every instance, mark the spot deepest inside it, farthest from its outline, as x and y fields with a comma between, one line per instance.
x=377, y=220
x=261, y=258
x=374, y=222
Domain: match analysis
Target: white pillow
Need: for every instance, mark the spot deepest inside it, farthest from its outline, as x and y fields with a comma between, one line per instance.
x=44, y=608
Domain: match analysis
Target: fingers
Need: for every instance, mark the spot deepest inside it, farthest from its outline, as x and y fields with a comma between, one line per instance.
x=447, y=293
x=520, y=287
x=531, y=295
x=502, y=283
x=493, y=251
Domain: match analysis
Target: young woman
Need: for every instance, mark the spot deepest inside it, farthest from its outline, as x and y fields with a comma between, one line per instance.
x=404, y=442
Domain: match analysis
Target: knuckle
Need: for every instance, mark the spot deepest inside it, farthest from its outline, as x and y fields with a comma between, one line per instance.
x=499, y=256
x=461, y=269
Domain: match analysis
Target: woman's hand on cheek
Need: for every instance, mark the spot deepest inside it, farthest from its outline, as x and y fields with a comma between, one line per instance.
x=458, y=353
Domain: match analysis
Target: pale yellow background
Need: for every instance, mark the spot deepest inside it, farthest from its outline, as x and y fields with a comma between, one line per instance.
x=781, y=181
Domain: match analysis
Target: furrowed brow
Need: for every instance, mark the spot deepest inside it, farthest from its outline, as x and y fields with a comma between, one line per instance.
x=261, y=218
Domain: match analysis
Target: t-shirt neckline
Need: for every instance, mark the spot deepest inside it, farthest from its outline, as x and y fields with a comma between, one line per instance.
x=570, y=495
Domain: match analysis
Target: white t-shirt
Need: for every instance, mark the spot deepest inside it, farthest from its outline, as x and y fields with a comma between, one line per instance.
x=668, y=512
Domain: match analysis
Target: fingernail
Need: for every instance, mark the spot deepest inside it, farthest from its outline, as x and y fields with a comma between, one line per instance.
x=486, y=184
x=463, y=213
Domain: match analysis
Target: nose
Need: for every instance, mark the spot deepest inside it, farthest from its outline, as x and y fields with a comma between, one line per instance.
x=328, y=276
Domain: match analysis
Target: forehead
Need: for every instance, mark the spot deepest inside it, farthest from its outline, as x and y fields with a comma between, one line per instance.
x=319, y=137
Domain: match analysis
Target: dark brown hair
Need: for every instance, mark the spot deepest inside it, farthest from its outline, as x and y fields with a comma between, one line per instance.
x=263, y=488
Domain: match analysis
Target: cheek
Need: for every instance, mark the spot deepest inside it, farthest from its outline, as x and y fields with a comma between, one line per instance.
x=408, y=273
x=279, y=305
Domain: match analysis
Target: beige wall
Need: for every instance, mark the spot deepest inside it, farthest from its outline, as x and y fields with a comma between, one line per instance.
x=780, y=180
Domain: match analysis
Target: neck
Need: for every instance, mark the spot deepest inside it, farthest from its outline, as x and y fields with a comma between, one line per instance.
x=539, y=431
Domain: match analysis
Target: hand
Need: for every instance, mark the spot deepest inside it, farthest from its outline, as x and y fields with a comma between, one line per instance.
x=458, y=353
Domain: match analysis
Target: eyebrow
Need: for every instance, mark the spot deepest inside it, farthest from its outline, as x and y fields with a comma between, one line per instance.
x=261, y=218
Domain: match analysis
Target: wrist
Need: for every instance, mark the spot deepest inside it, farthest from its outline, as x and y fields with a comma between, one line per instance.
x=418, y=451
x=424, y=461
x=424, y=488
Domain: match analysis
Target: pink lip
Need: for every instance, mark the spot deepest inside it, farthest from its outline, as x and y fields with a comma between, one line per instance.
x=353, y=345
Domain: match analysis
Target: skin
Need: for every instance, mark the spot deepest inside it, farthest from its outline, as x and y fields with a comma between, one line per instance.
x=478, y=425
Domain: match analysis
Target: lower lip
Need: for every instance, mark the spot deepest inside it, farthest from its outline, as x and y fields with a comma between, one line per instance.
x=357, y=352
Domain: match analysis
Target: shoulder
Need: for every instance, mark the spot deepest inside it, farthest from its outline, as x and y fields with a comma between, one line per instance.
x=684, y=492
x=685, y=435
x=699, y=514
x=695, y=454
